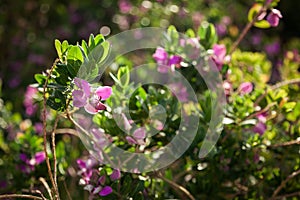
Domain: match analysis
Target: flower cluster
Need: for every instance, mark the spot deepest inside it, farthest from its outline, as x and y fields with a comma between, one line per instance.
x=29, y=104
x=88, y=98
x=166, y=62
x=91, y=179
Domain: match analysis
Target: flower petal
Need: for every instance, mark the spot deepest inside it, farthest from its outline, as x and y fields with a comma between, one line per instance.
x=104, y=92
x=139, y=133
x=79, y=99
x=115, y=175
x=105, y=191
x=90, y=109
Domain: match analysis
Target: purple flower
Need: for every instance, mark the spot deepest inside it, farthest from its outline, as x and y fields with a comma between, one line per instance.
x=260, y=128
x=115, y=175
x=90, y=100
x=219, y=56
x=138, y=137
x=105, y=191
x=29, y=104
x=245, y=88
x=175, y=60
x=273, y=17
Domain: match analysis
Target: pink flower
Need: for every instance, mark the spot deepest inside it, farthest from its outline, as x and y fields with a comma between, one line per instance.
x=115, y=175
x=273, y=17
x=245, y=88
x=219, y=56
x=124, y=6
x=164, y=62
x=39, y=157
x=180, y=91
x=89, y=99
x=30, y=106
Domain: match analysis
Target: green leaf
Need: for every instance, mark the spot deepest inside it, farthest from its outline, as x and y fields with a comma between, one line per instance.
x=40, y=78
x=64, y=47
x=99, y=39
x=262, y=24
x=57, y=45
x=289, y=106
x=253, y=11
x=91, y=42
x=73, y=67
x=124, y=75
x=190, y=33
x=74, y=53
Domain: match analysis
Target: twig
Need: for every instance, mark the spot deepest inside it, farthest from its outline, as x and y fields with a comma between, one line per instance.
x=286, y=195
x=283, y=183
x=247, y=28
x=176, y=187
x=44, y=113
x=43, y=181
x=23, y=196
x=289, y=143
x=66, y=131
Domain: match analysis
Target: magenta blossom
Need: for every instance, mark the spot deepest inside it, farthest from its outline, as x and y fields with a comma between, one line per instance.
x=115, y=175
x=219, y=56
x=260, y=128
x=245, y=88
x=88, y=98
x=164, y=62
x=274, y=17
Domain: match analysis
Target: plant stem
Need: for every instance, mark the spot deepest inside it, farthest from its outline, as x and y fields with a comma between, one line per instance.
x=43, y=181
x=44, y=114
x=54, y=151
x=285, y=144
x=23, y=196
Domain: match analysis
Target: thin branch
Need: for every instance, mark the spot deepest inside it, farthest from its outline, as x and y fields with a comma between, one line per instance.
x=44, y=113
x=261, y=111
x=277, y=86
x=247, y=28
x=23, y=196
x=54, y=151
x=43, y=181
x=283, y=183
x=176, y=187
x=66, y=131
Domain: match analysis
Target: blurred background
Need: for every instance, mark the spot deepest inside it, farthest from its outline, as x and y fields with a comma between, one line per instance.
x=28, y=29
